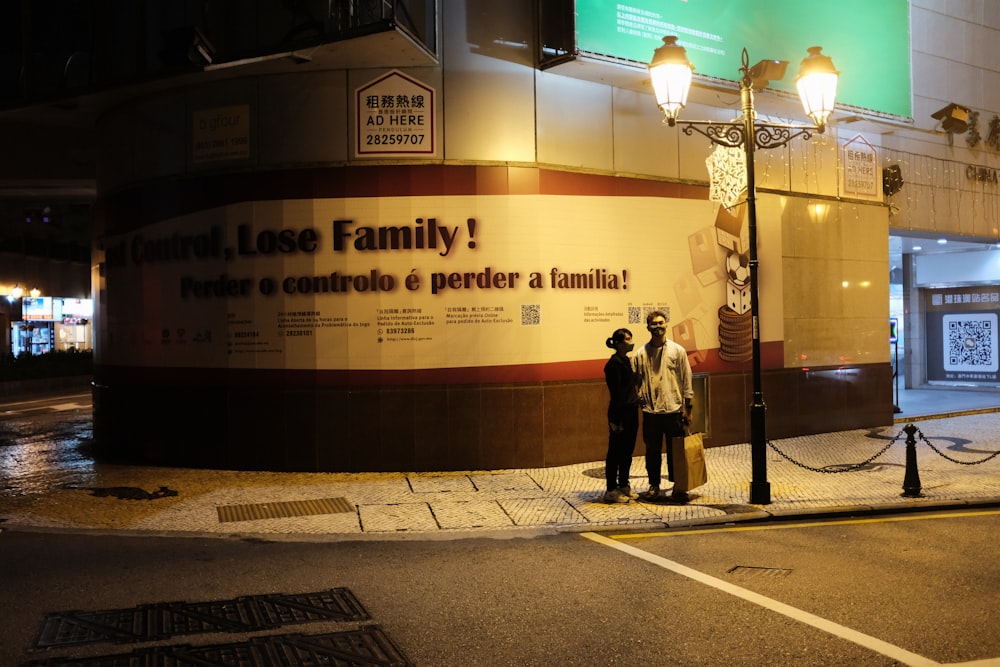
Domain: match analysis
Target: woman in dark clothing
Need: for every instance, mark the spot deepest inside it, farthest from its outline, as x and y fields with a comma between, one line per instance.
x=623, y=417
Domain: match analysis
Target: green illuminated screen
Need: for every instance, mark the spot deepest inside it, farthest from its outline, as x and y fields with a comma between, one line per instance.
x=868, y=41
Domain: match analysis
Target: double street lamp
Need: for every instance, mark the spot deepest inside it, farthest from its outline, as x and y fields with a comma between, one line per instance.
x=671, y=72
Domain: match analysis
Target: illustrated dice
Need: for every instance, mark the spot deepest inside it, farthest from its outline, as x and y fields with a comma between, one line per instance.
x=738, y=297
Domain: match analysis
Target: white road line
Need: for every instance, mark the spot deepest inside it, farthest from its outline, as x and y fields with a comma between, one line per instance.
x=901, y=655
x=35, y=401
x=62, y=407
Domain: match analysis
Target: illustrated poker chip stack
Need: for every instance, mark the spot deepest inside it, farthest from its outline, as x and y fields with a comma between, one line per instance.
x=735, y=318
x=735, y=335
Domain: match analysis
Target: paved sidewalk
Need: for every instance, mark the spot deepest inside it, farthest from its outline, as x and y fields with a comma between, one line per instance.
x=508, y=503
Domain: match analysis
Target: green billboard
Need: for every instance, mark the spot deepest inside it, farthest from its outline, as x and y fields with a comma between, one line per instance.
x=869, y=41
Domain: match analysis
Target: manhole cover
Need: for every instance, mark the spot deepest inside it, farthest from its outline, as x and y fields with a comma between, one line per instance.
x=755, y=571
x=369, y=645
x=283, y=510
x=162, y=620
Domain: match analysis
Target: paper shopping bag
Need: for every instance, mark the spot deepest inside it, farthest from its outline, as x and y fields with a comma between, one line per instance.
x=689, y=462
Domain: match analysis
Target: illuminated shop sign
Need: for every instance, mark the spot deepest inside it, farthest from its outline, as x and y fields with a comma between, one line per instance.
x=36, y=307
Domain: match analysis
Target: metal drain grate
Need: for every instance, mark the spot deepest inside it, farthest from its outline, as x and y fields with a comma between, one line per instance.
x=754, y=571
x=167, y=619
x=369, y=645
x=282, y=510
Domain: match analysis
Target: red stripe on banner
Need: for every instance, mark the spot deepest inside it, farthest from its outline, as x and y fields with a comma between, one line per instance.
x=143, y=205
x=566, y=371
x=524, y=373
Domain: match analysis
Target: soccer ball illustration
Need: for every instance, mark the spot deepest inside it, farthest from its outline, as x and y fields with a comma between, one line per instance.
x=738, y=268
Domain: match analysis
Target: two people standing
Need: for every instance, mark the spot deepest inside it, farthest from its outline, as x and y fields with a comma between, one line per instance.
x=659, y=379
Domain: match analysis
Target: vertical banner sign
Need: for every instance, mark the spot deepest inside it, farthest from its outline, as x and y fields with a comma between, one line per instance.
x=221, y=134
x=395, y=116
x=862, y=175
x=727, y=172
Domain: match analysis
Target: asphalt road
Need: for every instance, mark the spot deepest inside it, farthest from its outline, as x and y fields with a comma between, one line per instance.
x=908, y=589
x=905, y=590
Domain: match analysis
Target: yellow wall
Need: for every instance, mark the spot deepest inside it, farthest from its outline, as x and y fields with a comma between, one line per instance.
x=836, y=282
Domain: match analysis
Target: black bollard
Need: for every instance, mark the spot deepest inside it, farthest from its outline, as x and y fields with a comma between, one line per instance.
x=911, y=480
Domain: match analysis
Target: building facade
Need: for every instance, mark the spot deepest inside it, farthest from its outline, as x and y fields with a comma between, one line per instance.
x=367, y=236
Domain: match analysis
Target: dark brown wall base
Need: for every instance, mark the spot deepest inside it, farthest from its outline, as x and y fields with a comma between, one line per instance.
x=289, y=421
x=801, y=402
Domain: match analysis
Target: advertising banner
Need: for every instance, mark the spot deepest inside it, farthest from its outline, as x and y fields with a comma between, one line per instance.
x=405, y=283
x=395, y=117
x=861, y=175
x=868, y=41
x=36, y=308
x=961, y=329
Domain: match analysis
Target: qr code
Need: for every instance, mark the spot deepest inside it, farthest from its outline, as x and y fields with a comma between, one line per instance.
x=531, y=313
x=970, y=342
x=634, y=315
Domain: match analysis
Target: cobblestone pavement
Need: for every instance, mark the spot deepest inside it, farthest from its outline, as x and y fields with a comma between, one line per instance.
x=842, y=472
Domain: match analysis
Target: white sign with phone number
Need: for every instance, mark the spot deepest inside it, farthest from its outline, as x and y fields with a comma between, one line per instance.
x=395, y=116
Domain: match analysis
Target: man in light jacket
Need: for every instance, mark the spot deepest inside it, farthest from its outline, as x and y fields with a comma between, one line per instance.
x=666, y=396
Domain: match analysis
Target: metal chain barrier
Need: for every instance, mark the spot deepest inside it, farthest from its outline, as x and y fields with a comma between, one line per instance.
x=911, y=480
x=848, y=468
x=953, y=460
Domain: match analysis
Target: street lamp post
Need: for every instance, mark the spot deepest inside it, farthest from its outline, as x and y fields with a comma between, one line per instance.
x=671, y=72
